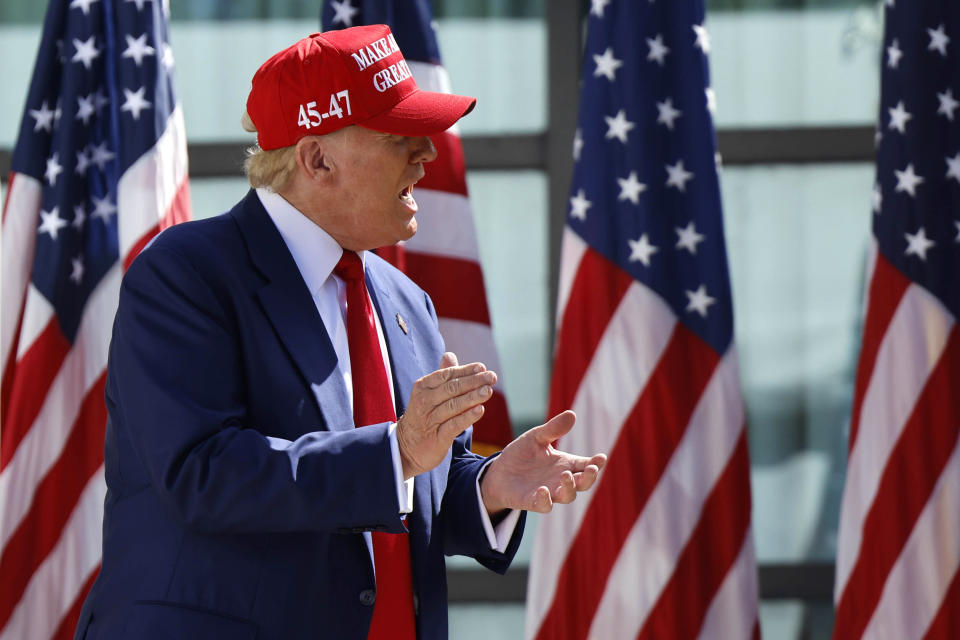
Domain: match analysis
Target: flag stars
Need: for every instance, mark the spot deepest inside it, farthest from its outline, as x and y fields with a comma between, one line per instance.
x=577, y=145
x=907, y=181
x=138, y=49
x=678, y=176
x=51, y=222
x=103, y=208
x=100, y=155
x=618, y=126
x=947, y=104
x=953, y=167
x=711, y=100
x=139, y=3
x=938, y=41
x=641, y=250
x=666, y=114
x=85, y=108
x=79, y=217
x=166, y=56
x=918, y=244
x=899, y=117
x=699, y=301
x=703, y=38
x=631, y=188
x=343, y=12
x=607, y=65
x=83, y=162
x=86, y=51
x=135, y=102
x=54, y=169
x=688, y=238
x=658, y=51
x=597, y=7
x=894, y=54
x=76, y=275
x=957, y=225
x=83, y=5
x=876, y=198
x=579, y=205
x=43, y=117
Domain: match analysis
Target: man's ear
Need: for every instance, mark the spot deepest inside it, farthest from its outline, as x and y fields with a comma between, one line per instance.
x=312, y=157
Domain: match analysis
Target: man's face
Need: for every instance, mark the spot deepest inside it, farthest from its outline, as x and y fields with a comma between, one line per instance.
x=369, y=202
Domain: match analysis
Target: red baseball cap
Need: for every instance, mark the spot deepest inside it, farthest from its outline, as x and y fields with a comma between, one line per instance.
x=330, y=80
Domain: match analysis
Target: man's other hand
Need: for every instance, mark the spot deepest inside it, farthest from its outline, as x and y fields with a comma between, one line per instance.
x=442, y=405
x=531, y=474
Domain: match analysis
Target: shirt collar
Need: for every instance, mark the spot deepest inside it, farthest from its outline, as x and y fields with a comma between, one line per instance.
x=313, y=249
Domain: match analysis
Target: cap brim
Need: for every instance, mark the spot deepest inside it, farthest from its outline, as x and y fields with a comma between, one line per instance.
x=422, y=113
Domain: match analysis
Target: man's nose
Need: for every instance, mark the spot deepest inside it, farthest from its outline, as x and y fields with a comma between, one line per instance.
x=422, y=150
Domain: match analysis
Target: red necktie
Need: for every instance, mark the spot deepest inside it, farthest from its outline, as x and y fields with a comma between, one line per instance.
x=393, y=615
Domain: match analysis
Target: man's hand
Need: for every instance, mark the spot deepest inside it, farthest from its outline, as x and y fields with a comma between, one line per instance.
x=442, y=405
x=530, y=474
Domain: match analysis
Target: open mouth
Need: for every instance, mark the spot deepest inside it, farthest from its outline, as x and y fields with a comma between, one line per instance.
x=406, y=196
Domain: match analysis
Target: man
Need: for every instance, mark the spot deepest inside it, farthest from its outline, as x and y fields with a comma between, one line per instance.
x=260, y=484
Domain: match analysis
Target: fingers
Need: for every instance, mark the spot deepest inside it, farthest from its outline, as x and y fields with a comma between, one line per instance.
x=450, y=372
x=448, y=359
x=586, y=478
x=458, y=423
x=542, y=502
x=557, y=427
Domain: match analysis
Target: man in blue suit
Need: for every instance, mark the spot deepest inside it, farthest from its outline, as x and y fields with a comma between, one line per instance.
x=259, y=482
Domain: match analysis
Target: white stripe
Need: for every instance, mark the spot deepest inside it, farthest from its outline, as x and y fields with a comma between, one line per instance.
x=43, y=444
x=572, y=248
x=910, y=349
x=432, y=77
x=673, y=510
x=472, y=342
x=37, y=313
x=444, y=226
x=619, y=370
x=733, y=612
x=919, y=580
x=19, y=236
x=147, y=189
x=58, y=580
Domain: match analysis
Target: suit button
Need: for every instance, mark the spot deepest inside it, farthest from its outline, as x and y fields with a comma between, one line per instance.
x=368, y=597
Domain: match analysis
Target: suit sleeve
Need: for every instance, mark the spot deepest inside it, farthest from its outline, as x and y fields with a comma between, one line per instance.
x=176, y=389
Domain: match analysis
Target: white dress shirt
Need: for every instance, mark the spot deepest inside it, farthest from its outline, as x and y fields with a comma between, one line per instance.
x=316, y=254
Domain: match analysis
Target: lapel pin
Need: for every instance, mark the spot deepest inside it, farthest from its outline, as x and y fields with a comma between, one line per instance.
x=402, y=324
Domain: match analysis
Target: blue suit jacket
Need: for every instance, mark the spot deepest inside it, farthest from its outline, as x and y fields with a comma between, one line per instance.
x=217, y=344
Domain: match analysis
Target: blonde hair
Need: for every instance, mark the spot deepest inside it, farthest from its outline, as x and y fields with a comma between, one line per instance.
x=271, y=169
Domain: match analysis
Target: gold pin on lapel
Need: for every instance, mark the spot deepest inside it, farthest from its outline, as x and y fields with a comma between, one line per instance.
x=402, y=324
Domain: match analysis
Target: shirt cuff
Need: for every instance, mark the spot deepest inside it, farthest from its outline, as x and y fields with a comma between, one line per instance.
x=404, y=487
x=497, y=537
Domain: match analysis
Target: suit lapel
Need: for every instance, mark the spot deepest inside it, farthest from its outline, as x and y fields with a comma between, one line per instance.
x=290, y=308
x=406, y=367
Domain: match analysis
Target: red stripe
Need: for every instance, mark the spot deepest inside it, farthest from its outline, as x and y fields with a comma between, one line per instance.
x=598, y=287
x=69, y=622
x=494, y=427
x=634, y=468
x=10, y=371
x=455, y=286
x=927, y=441
x=6, y=201
x=713, y=548
x=35, y=372
x=54, y=501
x=756, y=630
x=886, y=290
x=179, y=211
x=946, y=625
x=447, y=172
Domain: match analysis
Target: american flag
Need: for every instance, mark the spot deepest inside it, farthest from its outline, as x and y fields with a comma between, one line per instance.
x=443, y=257
x=99, y=166
x=899, y=545
x=662, y=546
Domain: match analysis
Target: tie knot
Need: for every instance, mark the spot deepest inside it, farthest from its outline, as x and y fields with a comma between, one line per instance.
x=350, y=267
